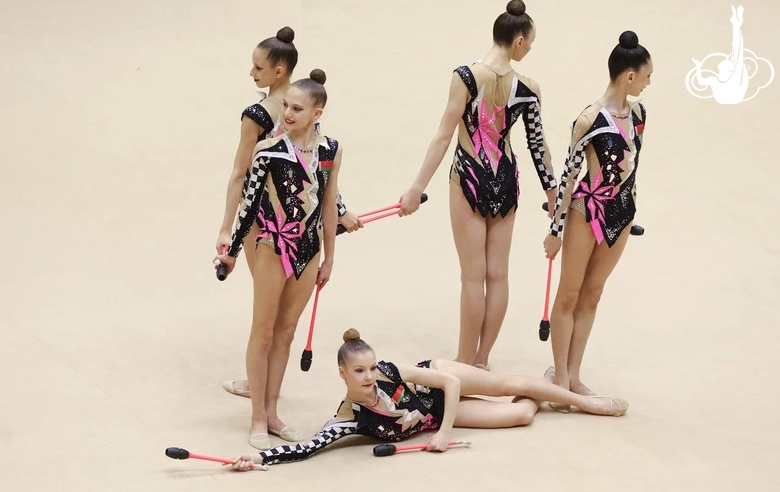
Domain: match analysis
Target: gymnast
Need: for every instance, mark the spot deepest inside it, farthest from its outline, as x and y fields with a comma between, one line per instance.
x=394, y=402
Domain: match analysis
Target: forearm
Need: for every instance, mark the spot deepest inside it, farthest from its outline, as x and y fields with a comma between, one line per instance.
x=433, y=158
x=290, y=453
x=330, y=221
x=537, y=146
x=451, y=400
x=232, y=202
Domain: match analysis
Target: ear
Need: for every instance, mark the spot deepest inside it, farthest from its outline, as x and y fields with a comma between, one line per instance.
x=341, y=373
x=279, y=71
x=317, y=113
x=630, y=76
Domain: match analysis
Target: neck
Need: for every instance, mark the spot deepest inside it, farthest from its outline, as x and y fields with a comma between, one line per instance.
x=498, y=59
x=279, y=88
x=614, y=99
x=303, y=137
x=359, y=398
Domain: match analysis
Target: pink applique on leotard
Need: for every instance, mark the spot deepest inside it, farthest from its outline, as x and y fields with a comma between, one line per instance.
x=486, y=136
x=595, y=194
x=286, y=235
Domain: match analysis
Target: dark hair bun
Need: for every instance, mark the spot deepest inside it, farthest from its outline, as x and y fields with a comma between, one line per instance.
x=285, y=35
x=516, y=7
x=351, y=334
x=629, y=40
x=318, y=75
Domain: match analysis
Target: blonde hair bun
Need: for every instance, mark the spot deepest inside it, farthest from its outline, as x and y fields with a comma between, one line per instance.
x=351, y=334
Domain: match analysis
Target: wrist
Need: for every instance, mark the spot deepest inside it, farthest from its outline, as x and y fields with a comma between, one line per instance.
x=417, y=188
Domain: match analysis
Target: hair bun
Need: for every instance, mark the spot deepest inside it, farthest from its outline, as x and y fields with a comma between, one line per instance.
x=629, y=40
x=318, y=75
x=516, y=7
x=351, y=334
x=285, y=35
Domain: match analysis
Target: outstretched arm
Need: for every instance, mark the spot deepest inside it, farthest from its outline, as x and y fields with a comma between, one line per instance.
x=456, y=104
x=286, y=453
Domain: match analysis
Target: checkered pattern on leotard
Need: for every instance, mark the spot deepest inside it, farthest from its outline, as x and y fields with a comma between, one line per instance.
x=532, y=119
x=255, y=184
x=298, y=452
x=571, y=170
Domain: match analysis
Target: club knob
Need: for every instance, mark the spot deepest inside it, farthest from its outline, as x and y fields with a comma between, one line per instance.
x=306, y=360
x=177, y=453
x=544, y=330
x=384, y=450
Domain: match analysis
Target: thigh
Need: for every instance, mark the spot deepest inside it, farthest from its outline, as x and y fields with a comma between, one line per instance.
x=469, y=230
x=578, y=246
x=297, y=293
x=269, y=282
x=474, y=381
x=483, y=414
x=250, y=247
x=499, y=243
x=604, y=260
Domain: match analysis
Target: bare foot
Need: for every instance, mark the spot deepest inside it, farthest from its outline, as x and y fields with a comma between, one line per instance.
x=581, y=389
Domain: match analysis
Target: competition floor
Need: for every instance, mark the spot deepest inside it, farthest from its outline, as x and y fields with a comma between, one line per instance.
x=118, y=126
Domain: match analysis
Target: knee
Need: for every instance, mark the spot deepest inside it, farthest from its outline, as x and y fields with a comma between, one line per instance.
x=524, y=416
x=475, y=271
x=497, y=273
x=284, y=334
x=566, y=300
x=261, y=338
x=590, y=296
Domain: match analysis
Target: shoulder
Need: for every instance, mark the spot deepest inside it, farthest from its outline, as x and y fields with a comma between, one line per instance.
x=259, y=114
x=588, y=116
x=640, y=110
x=585, y=121
x=270, y=143
x=390, y=370
x=329, y=147
x=464, y=75
x=530, y=83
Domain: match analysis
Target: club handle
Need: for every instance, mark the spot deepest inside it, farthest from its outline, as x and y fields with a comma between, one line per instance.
x=340, y=229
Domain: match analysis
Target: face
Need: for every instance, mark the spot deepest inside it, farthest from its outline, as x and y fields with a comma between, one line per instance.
x=360, y=373
x=638, y=80
x=299, y=110
x=262, y=72
x=523, y=45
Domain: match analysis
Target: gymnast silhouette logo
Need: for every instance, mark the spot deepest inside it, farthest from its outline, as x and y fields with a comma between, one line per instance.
x=730, y=84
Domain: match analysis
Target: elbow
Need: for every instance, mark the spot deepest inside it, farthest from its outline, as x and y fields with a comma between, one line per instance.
x=454, y=385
